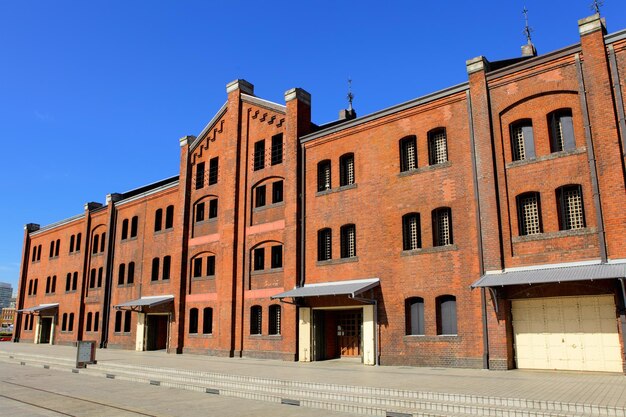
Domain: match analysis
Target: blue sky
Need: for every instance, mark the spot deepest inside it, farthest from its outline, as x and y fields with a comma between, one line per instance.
x=95, y=95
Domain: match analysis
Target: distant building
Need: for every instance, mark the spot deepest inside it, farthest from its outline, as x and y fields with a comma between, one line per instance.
x=8, y=315
x=6, y=293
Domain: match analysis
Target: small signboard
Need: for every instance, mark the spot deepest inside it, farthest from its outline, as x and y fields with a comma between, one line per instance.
x=86, y=353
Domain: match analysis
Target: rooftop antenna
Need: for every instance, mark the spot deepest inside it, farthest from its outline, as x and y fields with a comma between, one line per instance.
x=350, y=95
x=595, y=6
x=527, y=29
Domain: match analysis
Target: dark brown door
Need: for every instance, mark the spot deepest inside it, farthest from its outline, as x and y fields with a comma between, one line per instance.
x=46, y=328
x=349, y=333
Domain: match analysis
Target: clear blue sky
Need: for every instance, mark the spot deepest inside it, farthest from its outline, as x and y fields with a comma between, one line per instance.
x=95, y=95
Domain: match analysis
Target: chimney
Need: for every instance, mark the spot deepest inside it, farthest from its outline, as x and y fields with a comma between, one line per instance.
x=529, y=50
x=347, y=114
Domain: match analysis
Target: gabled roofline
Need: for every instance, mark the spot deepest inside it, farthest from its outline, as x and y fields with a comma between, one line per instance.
x=57, y=224
x=270, y=105
x=208, y=127
x=386, y=112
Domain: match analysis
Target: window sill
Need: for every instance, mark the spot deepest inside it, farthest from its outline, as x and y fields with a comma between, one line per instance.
x=433, y=249
x=418, y=338
x=427, y=168
x=53, y=258
x=336, y=190
x=163, y=281
x=126, y=285
x=275, y=337
x=268, y=206
x=35, y=262
x=160, y=232
x=130, y=239
x=338, y=261
x=555, y=235
x=209, y=220
x=548, y=157
x=267, y=271
x=70, y=292
x=205, y=278
x=96, y=254
x=201, y=335
x=76, y=252
x=121, y=333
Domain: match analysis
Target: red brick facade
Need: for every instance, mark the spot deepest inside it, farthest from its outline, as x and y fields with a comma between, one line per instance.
x=427, y=196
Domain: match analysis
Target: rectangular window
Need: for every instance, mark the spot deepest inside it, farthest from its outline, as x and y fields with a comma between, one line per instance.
x=442, y=227
x=277, y=192
x=259, y=196
x=415, y=313
x=193, y=321
x=259, y=259
x=207, y=320
x=100, y=272
x=411, y=232
x=274, y=320
x=134, y=226
x=210, y=265
x=213, y=208
x=197, y=267
x=408, y=154
x=127, y=321
x=277, y=149
x=561, y=130
x=522, y=140
x=259, y=155
x=199, y=175
x=277, y=256
x=131, y=273
x=570, y=206
x=155, y=269
x=158, y=220
x=437, y=147
x=118, y=322
x=213, y=170
x=256, y=320
x=169, y=217
x=324, y=245
x=199, y=212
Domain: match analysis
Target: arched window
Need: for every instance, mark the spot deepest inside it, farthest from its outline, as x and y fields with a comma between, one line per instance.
x=121, y=274
x=125, y=229
x=193, y=321
x=88, y=324
x=100, y=272
x=63, y=322
x=102, y=240
x=51, y=249
x=348, y=241
x=57, y=248
x=68, y=282
x=408, y=153
x=414, y=314
x=134, y=226
x=346, y=169
x=96, y=321
x=167, y=260
x=411, y=231
x=70, y=324
x=442, y=226
x=207, y=320
x=72, y=238
x=118, y=321
x=127, y=321
x=53, y=287
x=274, y=319
x=75, y=281
x=96, y=244
x=437, y=146
x=522, y=140
x=561, y=130
x=158, y=220
x=256, y=320
x=324, y=244
x=155, y=269
x=131, y=273
x=92, y=278
x=169, y=217
x=446, y=315
x=78, y=238
x=569, y=200
x=323, y=175
x=529, y=213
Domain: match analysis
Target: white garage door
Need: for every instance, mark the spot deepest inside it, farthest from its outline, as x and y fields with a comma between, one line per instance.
x=572, y=333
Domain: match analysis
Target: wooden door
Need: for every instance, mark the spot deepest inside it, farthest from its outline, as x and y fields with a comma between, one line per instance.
x=349, y=333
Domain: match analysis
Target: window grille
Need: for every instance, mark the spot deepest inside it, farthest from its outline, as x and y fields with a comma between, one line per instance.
x=442, y=227
x=200, y=212
x=347, y=169
x=213, y=208
x=408, y=154
x=274, y=323
x=323, y=176
x=348, y=241
x=324, y=245
x=561, y=130
x=570, y=206
x=259, y=259
x=256, y=320
x=530, y=222
x=519, y=151
x=438, y=147
x=411, y=231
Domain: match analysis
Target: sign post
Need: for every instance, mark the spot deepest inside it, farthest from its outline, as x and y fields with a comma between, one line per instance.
x=85, y=353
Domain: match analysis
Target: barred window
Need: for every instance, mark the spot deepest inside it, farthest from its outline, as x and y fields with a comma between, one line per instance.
x=256, y=320
x=408, y=153
x=522, y=141
x=199, y=175
x=570, y=207
x=561, y=130
x=323, y=175
x=411, y=231
x=277, y=149
x=442, y=226
x=414, y=316
x=348, y=241
x=259, y=155
x=324, y=244
x=529, y=214
x=437, y=146
x=274, y=319
x=346, y=168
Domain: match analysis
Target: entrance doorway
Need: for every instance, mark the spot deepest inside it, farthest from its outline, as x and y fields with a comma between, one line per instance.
x=157, y=331
x=45, y=325
x=336, y=334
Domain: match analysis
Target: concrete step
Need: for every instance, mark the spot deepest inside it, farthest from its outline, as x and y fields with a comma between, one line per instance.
x=343, y=398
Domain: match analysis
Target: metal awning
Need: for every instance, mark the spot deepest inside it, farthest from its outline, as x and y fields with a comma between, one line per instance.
x=142, y=302
x=350, y=288
x=551, y=275
x=39, y=308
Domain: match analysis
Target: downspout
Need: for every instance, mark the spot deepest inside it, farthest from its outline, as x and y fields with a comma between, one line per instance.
x=302, y=213
x=591, y=159
x=481, y=266
x=108, y=284
x=618, y=96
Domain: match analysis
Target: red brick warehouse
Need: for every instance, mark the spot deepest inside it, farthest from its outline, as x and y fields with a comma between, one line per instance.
x=483, y=225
